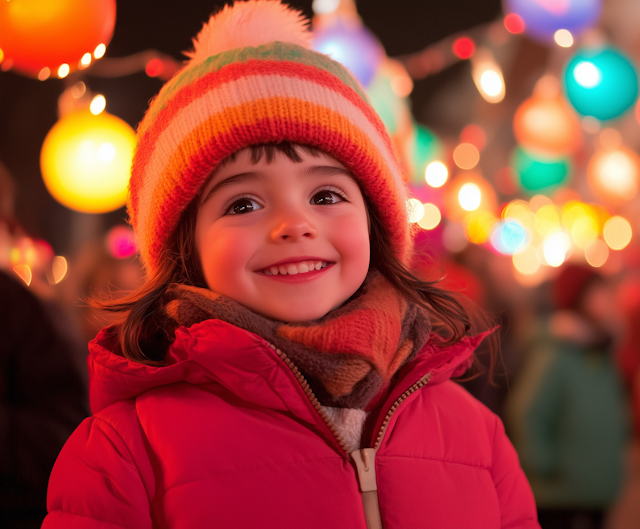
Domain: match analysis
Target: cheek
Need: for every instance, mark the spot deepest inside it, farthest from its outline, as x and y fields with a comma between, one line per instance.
x=352, y=240
x=222, y=254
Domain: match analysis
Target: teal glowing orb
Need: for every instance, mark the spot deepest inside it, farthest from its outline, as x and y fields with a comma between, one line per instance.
x=509, y=237
x=540, y=174
x=602, y=83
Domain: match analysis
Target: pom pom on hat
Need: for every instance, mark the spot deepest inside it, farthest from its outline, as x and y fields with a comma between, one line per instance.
x=253, y=79
x=250, y=23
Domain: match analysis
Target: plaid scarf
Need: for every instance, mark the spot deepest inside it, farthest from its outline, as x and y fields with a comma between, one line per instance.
x=348, y=356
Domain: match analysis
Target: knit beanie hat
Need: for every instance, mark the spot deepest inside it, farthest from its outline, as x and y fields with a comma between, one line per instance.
x=251, y=79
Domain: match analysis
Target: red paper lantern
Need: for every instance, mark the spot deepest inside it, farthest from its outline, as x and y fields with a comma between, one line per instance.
x=39, y=34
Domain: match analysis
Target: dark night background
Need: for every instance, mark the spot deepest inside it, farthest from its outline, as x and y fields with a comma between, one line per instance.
x=28, y=107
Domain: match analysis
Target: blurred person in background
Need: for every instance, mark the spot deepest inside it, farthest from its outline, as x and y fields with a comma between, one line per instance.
x=567, y=410
x=43, y=394
x=626, y=512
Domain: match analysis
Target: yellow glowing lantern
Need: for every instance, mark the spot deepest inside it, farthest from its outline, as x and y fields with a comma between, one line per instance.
x=613, y=174
x=547, y=125
x=86, y=161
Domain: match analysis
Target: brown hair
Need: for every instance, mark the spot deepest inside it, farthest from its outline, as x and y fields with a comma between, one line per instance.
x=141, y=336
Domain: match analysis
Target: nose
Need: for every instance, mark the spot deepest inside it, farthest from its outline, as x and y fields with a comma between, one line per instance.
x=293, y=225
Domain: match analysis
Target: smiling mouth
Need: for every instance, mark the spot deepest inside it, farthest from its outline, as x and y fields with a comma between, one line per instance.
x=291, y=269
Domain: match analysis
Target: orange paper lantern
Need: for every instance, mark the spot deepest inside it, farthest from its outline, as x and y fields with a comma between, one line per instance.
x=547, y=125
x=43, y=35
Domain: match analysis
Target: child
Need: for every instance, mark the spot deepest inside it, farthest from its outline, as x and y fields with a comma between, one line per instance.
x=276, y=370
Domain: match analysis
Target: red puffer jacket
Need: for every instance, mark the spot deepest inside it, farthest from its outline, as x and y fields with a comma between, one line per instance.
x=226, y=436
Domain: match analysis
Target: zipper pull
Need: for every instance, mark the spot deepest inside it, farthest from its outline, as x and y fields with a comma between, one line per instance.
x=365, y=461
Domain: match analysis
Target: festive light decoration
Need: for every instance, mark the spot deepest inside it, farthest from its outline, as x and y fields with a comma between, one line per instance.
x=487, y=76
x=86, y=159
x=39, y=34
x=468, y=192
x=614, y=175
x=563, y=38
x=466, y=156
x=601, y=82
x=617, y=233
x=556, y=249
x=542, y=18
x=514, y=23
x=463, y=48
x=537, y=173
x=526, y=262
x=352, y=45
x=121, y=242
x=431, y=217
x=509, y=237
x=547, y=125
x=478, y=226
x=436, y=174
x=59, y=268
x=596, y=253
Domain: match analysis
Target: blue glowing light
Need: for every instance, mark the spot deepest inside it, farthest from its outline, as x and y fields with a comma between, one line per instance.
x=509, y=237
x=602, y=83
x=542, y=18
x=354, y=47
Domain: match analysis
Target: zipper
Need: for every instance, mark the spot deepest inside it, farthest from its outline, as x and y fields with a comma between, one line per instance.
x=365, y=458
x=314, y=401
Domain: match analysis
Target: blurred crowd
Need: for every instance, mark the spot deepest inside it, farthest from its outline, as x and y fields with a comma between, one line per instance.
x=567, y=386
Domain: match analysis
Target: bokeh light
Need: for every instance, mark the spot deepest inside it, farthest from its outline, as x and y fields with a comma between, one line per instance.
x=539, y=173
x=463, y=48
x=542, y=18
x=98, y=104
x=478, y=226
x=475, y=135
x=63, y=70
x=526, y=262
x=466, y=156
x=514, y=23
x=100, y=50
x=436, y=174
x=470, y=197
x=547, y=220
x=614, y=175
x=431, y=217
x=563, y=38
x=601, y=82
x=596, y=253
x=487, y=76
x=617, y=233
x=59, y=269
x=509, y=237
x=86, y=161
x=548, y=125
x=352, y=45
x=120, y=242
x=38, y=34
x=23, y=271
x=555, y=248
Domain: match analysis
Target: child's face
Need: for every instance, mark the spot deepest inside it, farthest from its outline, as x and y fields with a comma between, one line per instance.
x=256, y=221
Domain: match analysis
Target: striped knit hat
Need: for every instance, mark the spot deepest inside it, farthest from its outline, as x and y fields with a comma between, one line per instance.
x=252, y=78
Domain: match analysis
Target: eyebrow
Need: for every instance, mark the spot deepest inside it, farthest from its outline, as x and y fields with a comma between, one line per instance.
x=312, y=170
x=232, y=180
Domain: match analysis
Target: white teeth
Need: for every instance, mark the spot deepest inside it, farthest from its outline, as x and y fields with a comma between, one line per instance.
x=295, y=268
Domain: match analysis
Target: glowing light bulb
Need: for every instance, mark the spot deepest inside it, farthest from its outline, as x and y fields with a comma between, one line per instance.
x=587, y=74
x=563, y=38
x=431, y=217
x=63, y=70
x=487, y=76
x=617, y=233
x=436, y=174
x=470, y=197
x=85, y=61
x=98, y=104
x=415, y=210
x=99, y=51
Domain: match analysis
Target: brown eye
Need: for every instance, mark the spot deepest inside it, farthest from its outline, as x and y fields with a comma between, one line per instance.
x=243, y=205
x=324, y=197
